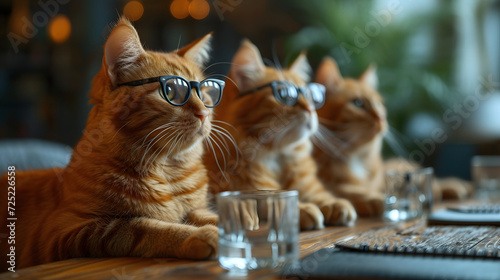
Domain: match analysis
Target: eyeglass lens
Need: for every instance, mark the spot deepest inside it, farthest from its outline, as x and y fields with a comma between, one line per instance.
x=212, y=90
x=287, y=93
x=176, y=90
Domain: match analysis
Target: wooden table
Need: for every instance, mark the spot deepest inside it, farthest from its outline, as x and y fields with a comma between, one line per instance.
x=155, y=268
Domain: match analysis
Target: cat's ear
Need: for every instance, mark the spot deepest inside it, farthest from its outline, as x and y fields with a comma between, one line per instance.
x=247, y=66
x=328, y=74
x=301, y=67
x=369, y=77
x=122, y=50
x=198, y=51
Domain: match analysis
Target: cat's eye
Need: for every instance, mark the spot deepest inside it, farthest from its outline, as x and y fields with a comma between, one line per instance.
x=286, y=93
x=212, y=89
x=177, y=90
x=358, y=102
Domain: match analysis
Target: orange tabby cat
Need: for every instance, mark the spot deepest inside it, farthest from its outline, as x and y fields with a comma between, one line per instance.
x=136, y=185
x=273, y=138
x=353, y=123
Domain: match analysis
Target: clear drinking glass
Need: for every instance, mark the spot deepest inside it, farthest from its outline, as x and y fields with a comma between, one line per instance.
x=408, y=194
x=486, y=177
x=257, y=229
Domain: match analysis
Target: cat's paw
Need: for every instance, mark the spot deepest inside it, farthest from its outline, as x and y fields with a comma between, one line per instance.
x=201, y=217
x=339, y=212
x=212, y=220
x=202, y=244
x=372, y=205
x=310, y=217
x=454, y=188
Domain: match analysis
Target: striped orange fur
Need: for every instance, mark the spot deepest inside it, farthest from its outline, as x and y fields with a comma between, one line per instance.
x=272, y=140
x=136, y=184
x=349, y=144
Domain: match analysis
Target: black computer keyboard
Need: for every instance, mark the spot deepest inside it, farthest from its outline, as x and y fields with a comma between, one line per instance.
x=339, y=264
x=478, y=209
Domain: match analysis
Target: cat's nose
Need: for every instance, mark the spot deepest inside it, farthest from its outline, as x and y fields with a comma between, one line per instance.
x=379, y=115
x=201, y=114
x=305, y=105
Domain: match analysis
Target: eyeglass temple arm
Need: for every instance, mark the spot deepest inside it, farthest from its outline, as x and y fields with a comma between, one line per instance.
x=141, y=82
x=255, y=89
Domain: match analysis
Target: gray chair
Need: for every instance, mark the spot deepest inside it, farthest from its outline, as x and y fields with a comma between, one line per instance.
x=30, y=154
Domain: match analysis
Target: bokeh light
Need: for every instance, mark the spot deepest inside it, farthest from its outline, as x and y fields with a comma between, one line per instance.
x=180, y=9
x=59, y=28
x=199, y=9
x=133, y=10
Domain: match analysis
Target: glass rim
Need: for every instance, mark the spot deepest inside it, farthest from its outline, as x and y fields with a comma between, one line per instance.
x=257, y=194
x=486, y=160
x=419, y=171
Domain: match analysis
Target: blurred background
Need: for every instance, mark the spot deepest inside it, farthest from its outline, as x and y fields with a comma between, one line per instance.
x=438, y=61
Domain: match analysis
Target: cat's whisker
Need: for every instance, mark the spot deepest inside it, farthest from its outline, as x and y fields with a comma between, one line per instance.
x=331, y=136
x=225, y=123
x=222, y=172
x=177, y=144
x=174, y=143
x=400, y=137
x=256, y=147
x=221, y=130
x=150, y=147
x=120, y=129
x=144, y=138
x=259, y=126
x=335, y=125
x=226, y=77
x=395, y=144
x=216, y=63
x=353, y=139
x=328, y=142
x=328, y=148
x=155, y=155
x=282, y=133
x=222, y=141
x=151, y=143
x=179, y=42
x=221, y=151
x=160, y=127
x=178, y=137
x=224, y=133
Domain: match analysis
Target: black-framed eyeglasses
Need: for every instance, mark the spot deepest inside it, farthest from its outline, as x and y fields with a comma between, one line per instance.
x=177, y=90
x=288, y=94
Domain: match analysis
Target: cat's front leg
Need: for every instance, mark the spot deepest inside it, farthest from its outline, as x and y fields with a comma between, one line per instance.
x=201, y=217
x=338, y=211
x=310, y=216
x=366, y=202
x=140, y=237
x=451, y=188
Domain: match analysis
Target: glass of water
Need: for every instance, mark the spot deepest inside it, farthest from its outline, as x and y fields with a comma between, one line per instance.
x=408, y=194
x=258, y=229
x=486, y=176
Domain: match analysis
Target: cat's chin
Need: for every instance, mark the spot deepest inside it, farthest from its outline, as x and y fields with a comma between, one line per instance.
x=198, y=129
x=195, y=148
x=301, y=132
x=297, y=136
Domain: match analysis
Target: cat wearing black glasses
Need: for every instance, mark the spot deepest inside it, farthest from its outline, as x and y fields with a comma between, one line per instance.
x=136, y=185
x=271, y=114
